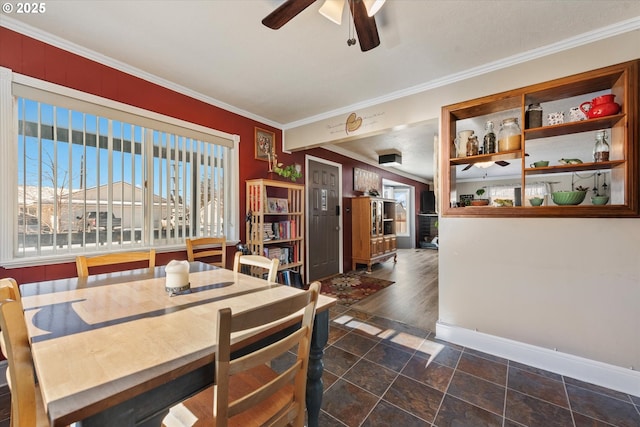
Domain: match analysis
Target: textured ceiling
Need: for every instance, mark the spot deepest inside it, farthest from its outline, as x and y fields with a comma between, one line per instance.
x=219, y=51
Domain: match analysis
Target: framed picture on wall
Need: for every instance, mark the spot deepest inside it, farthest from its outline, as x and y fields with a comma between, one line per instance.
x=264, y=144
x=365, y=181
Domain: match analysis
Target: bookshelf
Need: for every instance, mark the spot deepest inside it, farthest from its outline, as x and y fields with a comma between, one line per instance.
x=275, y=222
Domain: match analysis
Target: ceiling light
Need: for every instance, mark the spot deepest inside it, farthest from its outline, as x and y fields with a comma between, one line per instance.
x=332, y=10
x=390, y=159
x=373, y=6
x=483, y=165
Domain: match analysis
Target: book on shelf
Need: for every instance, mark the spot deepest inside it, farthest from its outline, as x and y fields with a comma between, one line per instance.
x=272, y=252
x=281, y=230
x=291, y=253
x=282, y=253
x=290, y=278
x=268, y=233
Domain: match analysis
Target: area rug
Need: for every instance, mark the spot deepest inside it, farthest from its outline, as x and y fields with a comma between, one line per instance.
x=352, y=287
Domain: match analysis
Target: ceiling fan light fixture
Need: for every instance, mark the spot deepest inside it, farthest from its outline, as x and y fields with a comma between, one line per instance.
x=332, y=10
x=483, y=165
x=373, y=6
x=393, y=159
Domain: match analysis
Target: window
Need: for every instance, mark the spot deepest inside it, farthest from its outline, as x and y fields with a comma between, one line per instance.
x=94, y=175
x=509, y=194
x=402, y=196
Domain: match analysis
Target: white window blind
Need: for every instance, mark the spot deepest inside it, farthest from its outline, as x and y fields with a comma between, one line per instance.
x=92, y=178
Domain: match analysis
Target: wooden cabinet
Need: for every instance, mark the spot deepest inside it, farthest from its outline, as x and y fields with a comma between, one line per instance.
x=275, y=222
x=513, y=170
x=373, y=237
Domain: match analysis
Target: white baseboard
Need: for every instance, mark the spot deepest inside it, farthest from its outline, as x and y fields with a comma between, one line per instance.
x=587, y=370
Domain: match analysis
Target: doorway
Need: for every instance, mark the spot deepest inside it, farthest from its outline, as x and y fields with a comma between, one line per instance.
x=324, y=220
x=404, y=195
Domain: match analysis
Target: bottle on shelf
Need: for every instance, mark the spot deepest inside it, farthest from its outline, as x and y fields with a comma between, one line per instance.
x=509, y=135
x=533, y=116
x=461, y=142
x=601, y=149
x=489, y=142
x=472, y=146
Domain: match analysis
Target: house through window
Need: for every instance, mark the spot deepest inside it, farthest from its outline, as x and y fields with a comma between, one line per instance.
x=91, y=178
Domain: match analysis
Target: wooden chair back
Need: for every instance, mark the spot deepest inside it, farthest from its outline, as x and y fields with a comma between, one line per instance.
x=83, y=263
x=206, y=247
x=13, y=289
x=27, y=409
x=292, y=381
x=257, y=264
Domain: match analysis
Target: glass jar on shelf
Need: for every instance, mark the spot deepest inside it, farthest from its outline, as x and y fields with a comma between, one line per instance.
x=489, y=142
x=472, y=146
x=509, y=135
x=601, y=149
x=533, y=116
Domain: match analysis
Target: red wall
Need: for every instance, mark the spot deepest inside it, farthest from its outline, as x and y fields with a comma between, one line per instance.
x=33, y=58
x=348, y=164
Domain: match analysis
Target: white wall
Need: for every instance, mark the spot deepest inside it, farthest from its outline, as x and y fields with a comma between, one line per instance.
x=566, y=284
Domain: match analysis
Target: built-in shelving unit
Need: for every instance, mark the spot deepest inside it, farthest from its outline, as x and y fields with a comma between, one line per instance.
x=617, y=178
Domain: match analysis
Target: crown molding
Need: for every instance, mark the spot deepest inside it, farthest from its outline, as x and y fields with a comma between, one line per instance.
x=68, y=46
x=618, y=28
x=339, y=150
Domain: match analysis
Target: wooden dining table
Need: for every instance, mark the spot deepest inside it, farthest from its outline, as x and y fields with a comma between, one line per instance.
x=116, y=349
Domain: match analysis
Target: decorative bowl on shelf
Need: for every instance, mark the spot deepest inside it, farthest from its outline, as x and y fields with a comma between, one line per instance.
x=568, y=197
x=480, y=202
x=536, y=201
x=599, y=200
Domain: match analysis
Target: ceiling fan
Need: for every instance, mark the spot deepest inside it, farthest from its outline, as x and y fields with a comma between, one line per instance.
x=486, y=164
x=361, y=10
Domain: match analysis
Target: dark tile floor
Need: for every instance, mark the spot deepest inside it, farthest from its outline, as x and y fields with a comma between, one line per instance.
x=380, y=372
x=5, y=400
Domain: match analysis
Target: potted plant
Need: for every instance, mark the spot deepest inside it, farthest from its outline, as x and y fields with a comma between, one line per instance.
x=480, y=201
x=291, y=172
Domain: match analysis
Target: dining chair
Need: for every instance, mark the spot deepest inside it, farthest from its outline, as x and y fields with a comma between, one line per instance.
x=14, y=290
x=246, y=391
x=84, y=263
x=27, y=409
x=206, y=247
x=257, y=264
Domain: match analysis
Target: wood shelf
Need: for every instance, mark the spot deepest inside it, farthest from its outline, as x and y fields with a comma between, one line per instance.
x=622, y=174
x=469, y=160
x=591, y=166
x=291, y=223
x=573, y=127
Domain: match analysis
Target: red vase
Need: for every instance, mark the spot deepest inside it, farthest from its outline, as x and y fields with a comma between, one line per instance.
x=600, y=106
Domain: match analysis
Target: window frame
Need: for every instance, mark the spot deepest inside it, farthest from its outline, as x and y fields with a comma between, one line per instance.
x=14, y=85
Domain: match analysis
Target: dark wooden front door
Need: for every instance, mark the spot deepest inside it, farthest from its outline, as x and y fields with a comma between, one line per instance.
x=324, y=220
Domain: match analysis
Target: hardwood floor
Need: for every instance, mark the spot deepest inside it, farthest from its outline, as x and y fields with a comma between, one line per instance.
x=413, y=298
x=381, y=372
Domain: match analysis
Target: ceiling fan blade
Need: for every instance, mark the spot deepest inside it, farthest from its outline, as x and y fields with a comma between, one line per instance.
x=467, y=167
x=365, y=26
x=285, y=12
x=502, y=163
